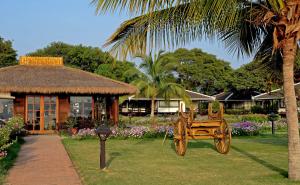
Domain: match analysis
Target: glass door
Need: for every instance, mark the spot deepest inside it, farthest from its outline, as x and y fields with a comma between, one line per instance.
x=49, y=112
x=33, y=113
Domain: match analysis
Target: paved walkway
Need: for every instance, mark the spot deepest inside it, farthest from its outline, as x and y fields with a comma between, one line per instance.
x=43, y=160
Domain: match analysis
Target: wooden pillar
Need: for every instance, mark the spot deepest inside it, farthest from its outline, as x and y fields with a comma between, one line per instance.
x=115, y=110
x=42, y=114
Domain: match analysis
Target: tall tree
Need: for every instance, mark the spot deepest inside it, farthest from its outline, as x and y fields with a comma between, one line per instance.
x=117, y=71
x=83, y=57
x=155, y=80
x=215, y=76
x=270, y=27
x=8, y=56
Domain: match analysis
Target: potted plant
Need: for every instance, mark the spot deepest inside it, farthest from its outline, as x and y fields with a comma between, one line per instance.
x=71, y=125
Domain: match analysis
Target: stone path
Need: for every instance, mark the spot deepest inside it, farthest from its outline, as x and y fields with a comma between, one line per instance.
x=43, y=160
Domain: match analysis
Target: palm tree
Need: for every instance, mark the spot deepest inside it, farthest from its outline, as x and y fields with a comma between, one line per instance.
x=155, y=79
x=270, y=29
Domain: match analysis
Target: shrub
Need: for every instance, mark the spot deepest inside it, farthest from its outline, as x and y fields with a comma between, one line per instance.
x=245, y=129
x=71, y=122
x=4, y=136
x=257, y=109
x=257, y=118
x=15, y=125
x=237, y=111
x=9, y=132
x=215, y=106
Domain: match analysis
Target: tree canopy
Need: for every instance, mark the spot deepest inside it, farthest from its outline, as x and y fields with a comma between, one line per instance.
x=84, y=57
x=8, y=55
x=117, y=71
x=200, y=71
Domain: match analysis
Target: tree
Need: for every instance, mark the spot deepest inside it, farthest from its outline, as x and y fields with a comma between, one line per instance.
x=251, y=77
x=117, y=71
x=201, y=72
x=8, y=56
x=154, y=80
x=269, y=28
x=83, y=57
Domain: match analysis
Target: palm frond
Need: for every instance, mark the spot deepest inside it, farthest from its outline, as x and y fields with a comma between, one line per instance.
x=174, y=26
x=134, y=6
x=173, y=90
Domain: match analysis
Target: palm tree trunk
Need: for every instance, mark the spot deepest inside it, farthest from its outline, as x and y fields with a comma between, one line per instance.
x=289, y=53
x=152, y=107
x=152, y=118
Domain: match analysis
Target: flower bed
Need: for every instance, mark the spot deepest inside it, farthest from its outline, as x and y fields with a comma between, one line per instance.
x=245, y=128
x=129, y=132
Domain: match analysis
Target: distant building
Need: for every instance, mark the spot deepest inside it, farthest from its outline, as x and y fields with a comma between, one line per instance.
x=142, y=106
x=237, y=100
x=274, y=99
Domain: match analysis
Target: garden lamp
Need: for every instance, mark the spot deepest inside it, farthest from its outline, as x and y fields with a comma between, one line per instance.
x=103, y=132
x=272, y=117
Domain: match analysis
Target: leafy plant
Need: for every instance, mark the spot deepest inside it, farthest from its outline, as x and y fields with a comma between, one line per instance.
x=71, y=122
x=215, y=106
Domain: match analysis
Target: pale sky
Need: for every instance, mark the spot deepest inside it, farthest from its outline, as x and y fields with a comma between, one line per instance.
x=33, y=24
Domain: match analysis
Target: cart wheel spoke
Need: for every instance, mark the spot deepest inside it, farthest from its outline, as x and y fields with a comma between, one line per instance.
x=223, y=144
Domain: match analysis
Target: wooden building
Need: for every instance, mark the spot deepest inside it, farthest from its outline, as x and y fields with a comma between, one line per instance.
x=142, y=106
x=273, y=101
x=45, y=93
x=238, y=100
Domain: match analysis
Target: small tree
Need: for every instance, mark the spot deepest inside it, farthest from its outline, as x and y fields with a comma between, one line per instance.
x=155, y=79
x=8, y=56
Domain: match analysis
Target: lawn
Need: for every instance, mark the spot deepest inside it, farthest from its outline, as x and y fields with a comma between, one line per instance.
x=9, y=160
x=252, y=160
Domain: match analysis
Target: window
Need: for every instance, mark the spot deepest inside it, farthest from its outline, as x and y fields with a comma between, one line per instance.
x=33, y=112
x=6, y=109
x=167, y=104
x=81, y=106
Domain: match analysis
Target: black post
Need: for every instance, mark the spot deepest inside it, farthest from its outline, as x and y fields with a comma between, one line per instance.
x=103, y=132
x=102, y=154
x=273, y=127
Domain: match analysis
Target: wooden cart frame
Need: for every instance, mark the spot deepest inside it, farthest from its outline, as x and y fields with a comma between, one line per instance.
x=215, y=127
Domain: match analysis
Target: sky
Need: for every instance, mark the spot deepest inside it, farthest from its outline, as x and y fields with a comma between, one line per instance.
x=33, y=24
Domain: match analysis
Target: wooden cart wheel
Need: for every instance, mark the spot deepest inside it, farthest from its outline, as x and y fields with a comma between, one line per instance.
x=180, y=137
x=223, y=144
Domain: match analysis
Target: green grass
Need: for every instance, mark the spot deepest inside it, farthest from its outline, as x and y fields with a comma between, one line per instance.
x=252, y=160
x=9, y=160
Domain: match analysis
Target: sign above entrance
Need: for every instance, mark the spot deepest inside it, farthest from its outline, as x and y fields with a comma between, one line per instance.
x=48, y=61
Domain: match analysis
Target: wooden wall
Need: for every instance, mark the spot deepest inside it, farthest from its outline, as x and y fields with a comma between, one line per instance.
x=20, y=105
x=63, y=109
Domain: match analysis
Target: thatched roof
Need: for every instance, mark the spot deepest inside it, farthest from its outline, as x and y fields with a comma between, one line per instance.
x=44, y=77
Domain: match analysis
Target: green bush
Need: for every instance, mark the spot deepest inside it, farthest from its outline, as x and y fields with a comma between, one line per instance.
x=257, y=118
x=4, y=136
x=10, y=131
x=215, y=106
x=71, y=122
x=237, y=111
x=257, y=109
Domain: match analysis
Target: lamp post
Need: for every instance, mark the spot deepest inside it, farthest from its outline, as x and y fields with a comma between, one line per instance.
x=103, y=132
x=273, y=117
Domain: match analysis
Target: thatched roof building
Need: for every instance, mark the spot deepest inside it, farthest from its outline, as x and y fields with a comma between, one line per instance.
x=46, y=94
x=39, y=77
